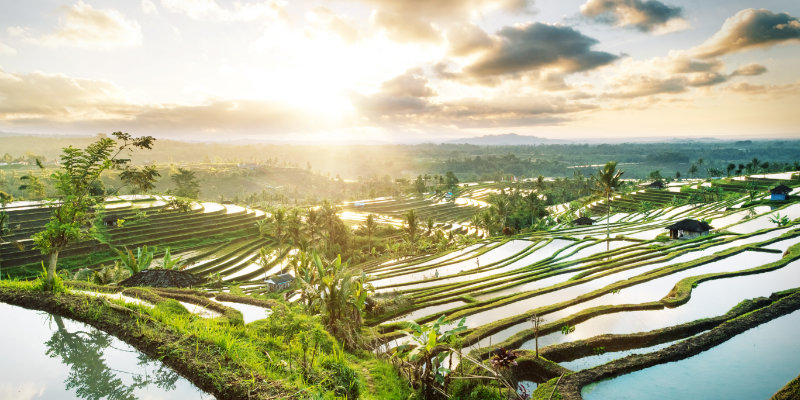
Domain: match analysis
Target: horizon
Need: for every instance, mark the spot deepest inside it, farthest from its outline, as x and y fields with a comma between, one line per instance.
x=382, y=72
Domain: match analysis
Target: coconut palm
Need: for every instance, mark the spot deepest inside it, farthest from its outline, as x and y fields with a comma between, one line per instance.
x=411, y=226
x=607, y=181
x=370, y=226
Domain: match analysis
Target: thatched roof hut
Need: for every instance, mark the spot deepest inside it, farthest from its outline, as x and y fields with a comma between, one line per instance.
x=584, y=221
x=688, y=228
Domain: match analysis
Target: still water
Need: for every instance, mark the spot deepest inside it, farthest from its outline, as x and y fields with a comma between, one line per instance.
x=752, y=365
x=49, y=357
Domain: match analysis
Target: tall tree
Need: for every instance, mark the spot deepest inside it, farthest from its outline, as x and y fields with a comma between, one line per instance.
x=411, y=226
x=186, y=184
x=607, y=181
x=73, y=211
x=370, y=226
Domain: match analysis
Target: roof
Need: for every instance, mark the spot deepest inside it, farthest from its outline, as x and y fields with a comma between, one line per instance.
x=780, y=189
x=584, y=221
x=656, y=184
x=690, y=225
x=281, y=278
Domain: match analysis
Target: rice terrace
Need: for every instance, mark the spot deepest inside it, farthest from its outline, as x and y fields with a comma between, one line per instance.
x=399, y=200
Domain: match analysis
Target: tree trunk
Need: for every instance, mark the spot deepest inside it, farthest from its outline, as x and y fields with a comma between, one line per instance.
x=51, y=270
x=608, y=221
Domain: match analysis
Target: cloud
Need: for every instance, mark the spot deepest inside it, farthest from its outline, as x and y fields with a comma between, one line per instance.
x=750, y=29
x=521, y=49
x=57, y=97
x=327, y=20
x=683, y=64
x=425, y=20
x=749, y=70
x=401, y=29
x=646, y=16
x=467, y=39
x=408, y=101
x=209, y=10
x=149, y=8
x=57, y=101
x=6, y=50
x=81, y=25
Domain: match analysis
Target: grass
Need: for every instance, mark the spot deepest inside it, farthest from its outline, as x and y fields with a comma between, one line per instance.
x=231, y=360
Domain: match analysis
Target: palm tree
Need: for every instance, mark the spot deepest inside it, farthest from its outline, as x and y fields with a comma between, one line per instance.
x=369, y=227
x=312, y=224
x=607, y=181
x=411, y=226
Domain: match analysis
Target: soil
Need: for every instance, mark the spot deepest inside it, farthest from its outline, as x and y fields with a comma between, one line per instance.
x=162, y=278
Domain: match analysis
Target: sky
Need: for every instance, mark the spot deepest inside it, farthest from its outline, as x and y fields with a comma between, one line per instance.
x=400, y=71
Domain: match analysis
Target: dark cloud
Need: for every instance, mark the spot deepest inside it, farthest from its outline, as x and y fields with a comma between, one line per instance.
x=750, y=70
x=645, y=15
x=750, y=29
x=521, y=49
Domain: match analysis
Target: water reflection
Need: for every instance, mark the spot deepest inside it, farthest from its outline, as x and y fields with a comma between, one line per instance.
x=82, y=351
x=50, y=357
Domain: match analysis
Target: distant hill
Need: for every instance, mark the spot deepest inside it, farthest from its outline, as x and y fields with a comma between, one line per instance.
x=508, y=139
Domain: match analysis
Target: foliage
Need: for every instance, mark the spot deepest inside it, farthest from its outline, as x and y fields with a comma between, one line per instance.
x=608, y=180
x=141, y=180
x=136, y=262
x=333, y=290
x=424, y=354
x=71, y=217
x=186, y=184
x=171, y=263
x=780, y=220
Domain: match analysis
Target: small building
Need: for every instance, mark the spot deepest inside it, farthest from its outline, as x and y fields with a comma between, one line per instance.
x=656, y=185
x=779, y=193
x=584, y=221
x=279, y=282
x=688, y=229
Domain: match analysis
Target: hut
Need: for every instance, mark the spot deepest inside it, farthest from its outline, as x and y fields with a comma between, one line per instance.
x=779, y=193
x=584, y=221
x=688, y=229
x=656, y=185
x=279, y=282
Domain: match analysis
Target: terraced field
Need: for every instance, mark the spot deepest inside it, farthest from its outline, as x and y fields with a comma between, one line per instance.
x=639, y=281
x=205, y=236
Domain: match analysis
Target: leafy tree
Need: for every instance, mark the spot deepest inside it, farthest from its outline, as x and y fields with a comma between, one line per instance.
x=73, y=211
x=608, y=180
x=730, y=168
x=186, y=184
x=142, y=180
x=419, y=184
x=450, y=180
x=33, y=187
x=692, y=170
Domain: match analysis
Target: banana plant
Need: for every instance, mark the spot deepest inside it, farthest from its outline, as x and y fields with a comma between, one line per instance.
x=426, y=350
x=138, y=262
x=172, y=263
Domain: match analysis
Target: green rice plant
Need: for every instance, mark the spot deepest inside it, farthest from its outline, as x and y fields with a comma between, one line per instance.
x=567, y=329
